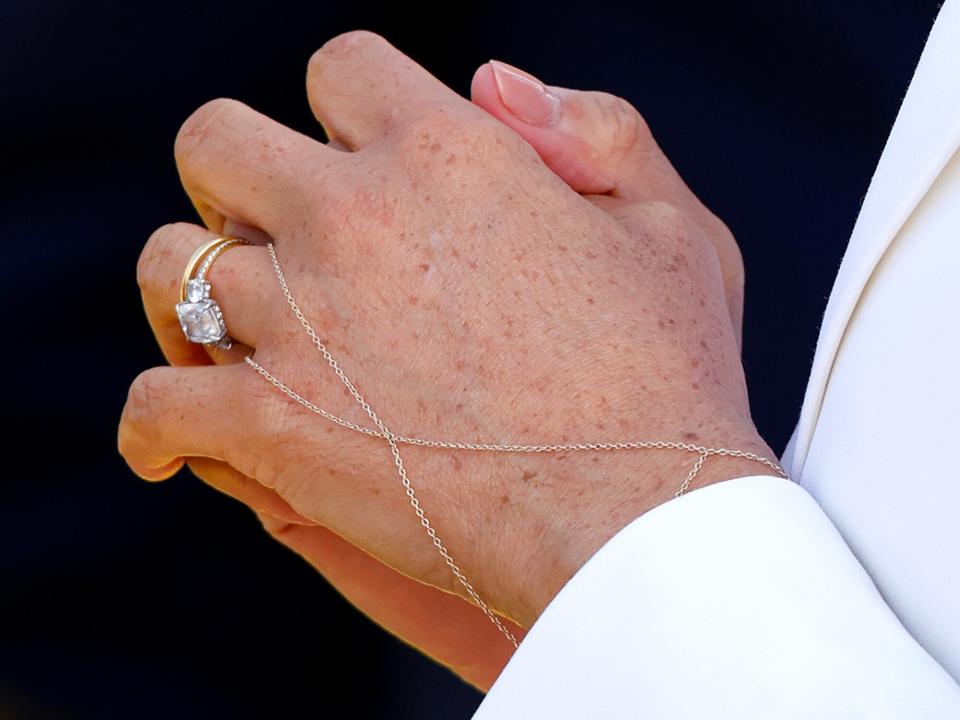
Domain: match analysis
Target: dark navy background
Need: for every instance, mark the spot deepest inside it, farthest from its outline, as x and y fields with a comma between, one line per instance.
x=120, y=599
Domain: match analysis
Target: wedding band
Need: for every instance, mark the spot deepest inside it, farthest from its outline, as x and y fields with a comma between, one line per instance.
x=200, y=317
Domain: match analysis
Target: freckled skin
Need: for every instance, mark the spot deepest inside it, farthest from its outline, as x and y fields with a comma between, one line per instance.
x=480, y=299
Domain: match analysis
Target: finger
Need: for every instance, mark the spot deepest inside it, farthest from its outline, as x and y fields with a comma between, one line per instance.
x=360, y=87
x=174, y=413
x=599, y=144
x=595, y=141
x=240, y=280
x=445, y=626
x=237, y=163
x=230, y=481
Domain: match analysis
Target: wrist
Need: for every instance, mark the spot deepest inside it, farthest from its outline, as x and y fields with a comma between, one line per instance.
x=622, y=487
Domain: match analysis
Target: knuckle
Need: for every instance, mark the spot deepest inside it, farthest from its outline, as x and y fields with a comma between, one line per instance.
x=145, y=394
x=202, y=124
x=664, y=214
x=623, y=125
x=676, y=234
x=156, y=252
x=659, y=222
x=343, y=45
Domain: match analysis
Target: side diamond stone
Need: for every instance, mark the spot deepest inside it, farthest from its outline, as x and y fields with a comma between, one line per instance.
x=197, y=290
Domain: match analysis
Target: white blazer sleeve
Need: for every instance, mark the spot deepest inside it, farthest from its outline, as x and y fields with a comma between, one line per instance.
x=737, y=601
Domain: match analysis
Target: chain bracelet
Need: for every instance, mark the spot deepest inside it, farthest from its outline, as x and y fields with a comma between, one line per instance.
x=395, y=440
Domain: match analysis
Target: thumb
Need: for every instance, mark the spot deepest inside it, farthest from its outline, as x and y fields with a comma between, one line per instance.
x=597, y=142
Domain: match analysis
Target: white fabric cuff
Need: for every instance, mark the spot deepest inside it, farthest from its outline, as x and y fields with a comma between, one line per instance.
x=738, y=600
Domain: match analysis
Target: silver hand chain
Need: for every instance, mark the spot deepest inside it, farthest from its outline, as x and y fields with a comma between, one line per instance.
x=393, y=440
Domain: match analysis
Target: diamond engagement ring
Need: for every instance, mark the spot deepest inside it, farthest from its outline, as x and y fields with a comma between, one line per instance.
x=200, y=315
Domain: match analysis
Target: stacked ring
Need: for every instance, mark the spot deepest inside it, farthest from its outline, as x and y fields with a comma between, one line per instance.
x=200, y=317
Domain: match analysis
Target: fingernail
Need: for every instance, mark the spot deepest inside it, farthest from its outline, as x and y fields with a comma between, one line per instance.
x=525, y=96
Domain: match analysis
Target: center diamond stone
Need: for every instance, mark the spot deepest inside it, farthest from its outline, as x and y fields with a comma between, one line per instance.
x=201, y=321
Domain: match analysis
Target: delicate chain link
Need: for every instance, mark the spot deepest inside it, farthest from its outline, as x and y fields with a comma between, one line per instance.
x=491, y=447
x=393, y=440
x=386, y=433
x=691, y=475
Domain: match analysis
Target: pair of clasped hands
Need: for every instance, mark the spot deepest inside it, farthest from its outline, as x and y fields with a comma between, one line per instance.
x=526, y=267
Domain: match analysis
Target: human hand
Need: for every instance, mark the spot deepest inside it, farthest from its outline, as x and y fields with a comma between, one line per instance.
x=388, y=195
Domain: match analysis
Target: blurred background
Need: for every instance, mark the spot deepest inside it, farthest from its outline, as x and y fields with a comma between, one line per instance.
x=120, y=599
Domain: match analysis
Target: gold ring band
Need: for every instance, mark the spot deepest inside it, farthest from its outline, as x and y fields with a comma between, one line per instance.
x=199, y=254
